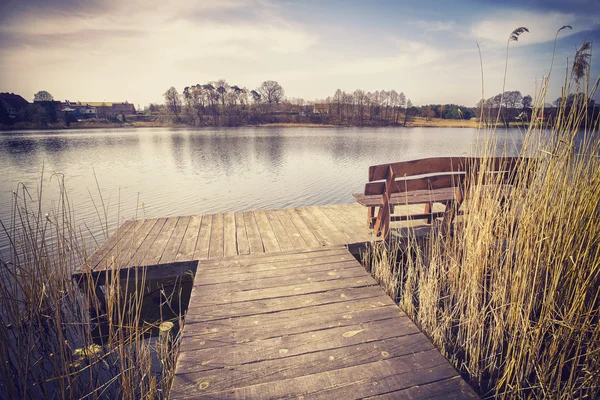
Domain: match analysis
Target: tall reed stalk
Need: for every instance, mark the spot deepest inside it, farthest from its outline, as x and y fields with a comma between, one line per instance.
x=512, y=296
x=49, y=343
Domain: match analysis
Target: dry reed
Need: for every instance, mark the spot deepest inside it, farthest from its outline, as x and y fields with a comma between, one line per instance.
x=512, y=296
x=49, y=340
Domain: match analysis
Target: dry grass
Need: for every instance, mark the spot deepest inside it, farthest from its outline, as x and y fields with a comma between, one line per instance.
x=442, y=123
x=49, y=341
x=512, y=296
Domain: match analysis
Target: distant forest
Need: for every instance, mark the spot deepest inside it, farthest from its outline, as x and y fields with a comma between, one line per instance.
x=221, y=104
x=218, y=103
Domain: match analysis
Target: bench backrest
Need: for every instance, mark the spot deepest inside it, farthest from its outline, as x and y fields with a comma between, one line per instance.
x=433, y=173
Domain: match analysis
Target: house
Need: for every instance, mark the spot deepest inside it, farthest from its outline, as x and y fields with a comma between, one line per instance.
x=12, y=104
x=321, y=108
x=101, y=109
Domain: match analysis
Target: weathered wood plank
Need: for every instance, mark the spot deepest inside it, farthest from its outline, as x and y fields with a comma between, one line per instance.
x=172, y=247
x=203, y=244
x=327, y=272
x=267, y=235
x=333, y=233
x=254, y=241
x=212, y=294
x=216, y=237
x=352, y=231
x=299, y=343
x=190, y=238
x=290, y=229
x=208, y=312
x=243, y=246
x=110, y=243
x=280, y=368
x=125, y=244
x=140, y=243
x=151, y=250
x=453, y=388
x=315, y=227
x=280, y=234
x=265, y=261
x=266, y=326
x=281, y=271
x=309, y=237
x=229, y=236
x=358, y=381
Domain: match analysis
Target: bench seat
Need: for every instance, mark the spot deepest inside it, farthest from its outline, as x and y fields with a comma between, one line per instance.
x=444, y=196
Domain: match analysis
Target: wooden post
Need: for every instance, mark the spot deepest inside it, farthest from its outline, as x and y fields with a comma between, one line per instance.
x=428, y=208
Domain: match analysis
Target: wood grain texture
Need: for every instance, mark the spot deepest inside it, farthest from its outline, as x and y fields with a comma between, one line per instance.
x=309, y=323
x=190, y=238
x=172, y=247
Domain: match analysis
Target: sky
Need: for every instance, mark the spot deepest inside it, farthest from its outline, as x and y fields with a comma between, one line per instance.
x=113, y=50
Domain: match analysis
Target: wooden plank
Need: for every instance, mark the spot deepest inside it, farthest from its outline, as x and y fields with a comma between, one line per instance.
x=172, y=247
x=313, y=224
x=453, y=388
x=234, y=291
x=402, y=185
x=300, y=343
x=418, y=167
x=280, y=367
x=309, y=237
x=208, y=312
x=265, y=326
x=110, y=243
x=203, y=244
x=152, y=249
x=273, y=270
x=327, y=272
x=290, y=229
x=129, y=249
x=267, y=235
x=229, y=238
x=351, y=230
x=123, y=244
x=243, y=246
x=254, y=241
x=231, y=267
x=332, y=233
x=417, y=197
x=216, y=237
x=280, y=234
x=190, y=238
x=357, y=381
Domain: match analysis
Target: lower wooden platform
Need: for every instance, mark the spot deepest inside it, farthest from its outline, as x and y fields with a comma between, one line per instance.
x=164, y=241
x=303, y=324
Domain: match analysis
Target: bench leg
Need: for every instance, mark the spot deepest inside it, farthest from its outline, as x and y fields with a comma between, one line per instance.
x=370, y=217
x=428, y=207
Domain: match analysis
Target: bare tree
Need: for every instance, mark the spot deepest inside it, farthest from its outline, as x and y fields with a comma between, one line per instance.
x=173, y=101
x=43, y=95
x=271, y=91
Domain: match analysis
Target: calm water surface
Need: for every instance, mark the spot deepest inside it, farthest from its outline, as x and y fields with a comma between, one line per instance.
x=160, y=172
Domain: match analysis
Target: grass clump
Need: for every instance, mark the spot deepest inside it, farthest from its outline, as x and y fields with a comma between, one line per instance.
x=512, y=296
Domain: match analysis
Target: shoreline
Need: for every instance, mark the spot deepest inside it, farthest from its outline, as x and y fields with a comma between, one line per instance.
x=434, y=123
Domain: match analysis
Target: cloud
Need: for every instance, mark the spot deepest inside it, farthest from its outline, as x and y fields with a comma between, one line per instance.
x=542, y=26
x=435, y=26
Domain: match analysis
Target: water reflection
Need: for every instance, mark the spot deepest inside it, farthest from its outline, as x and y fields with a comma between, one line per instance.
x=190, y=171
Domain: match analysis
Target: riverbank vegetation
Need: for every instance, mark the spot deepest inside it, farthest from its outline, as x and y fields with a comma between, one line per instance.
x=512, y=296
x=57, y=339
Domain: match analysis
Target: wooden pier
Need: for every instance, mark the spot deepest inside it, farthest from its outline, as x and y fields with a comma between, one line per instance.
x=281, y=309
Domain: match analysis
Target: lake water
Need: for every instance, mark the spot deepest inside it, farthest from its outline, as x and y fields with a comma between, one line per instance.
x=158, y=172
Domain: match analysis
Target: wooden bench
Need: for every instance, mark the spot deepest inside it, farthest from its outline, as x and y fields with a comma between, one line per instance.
x=426, y=181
